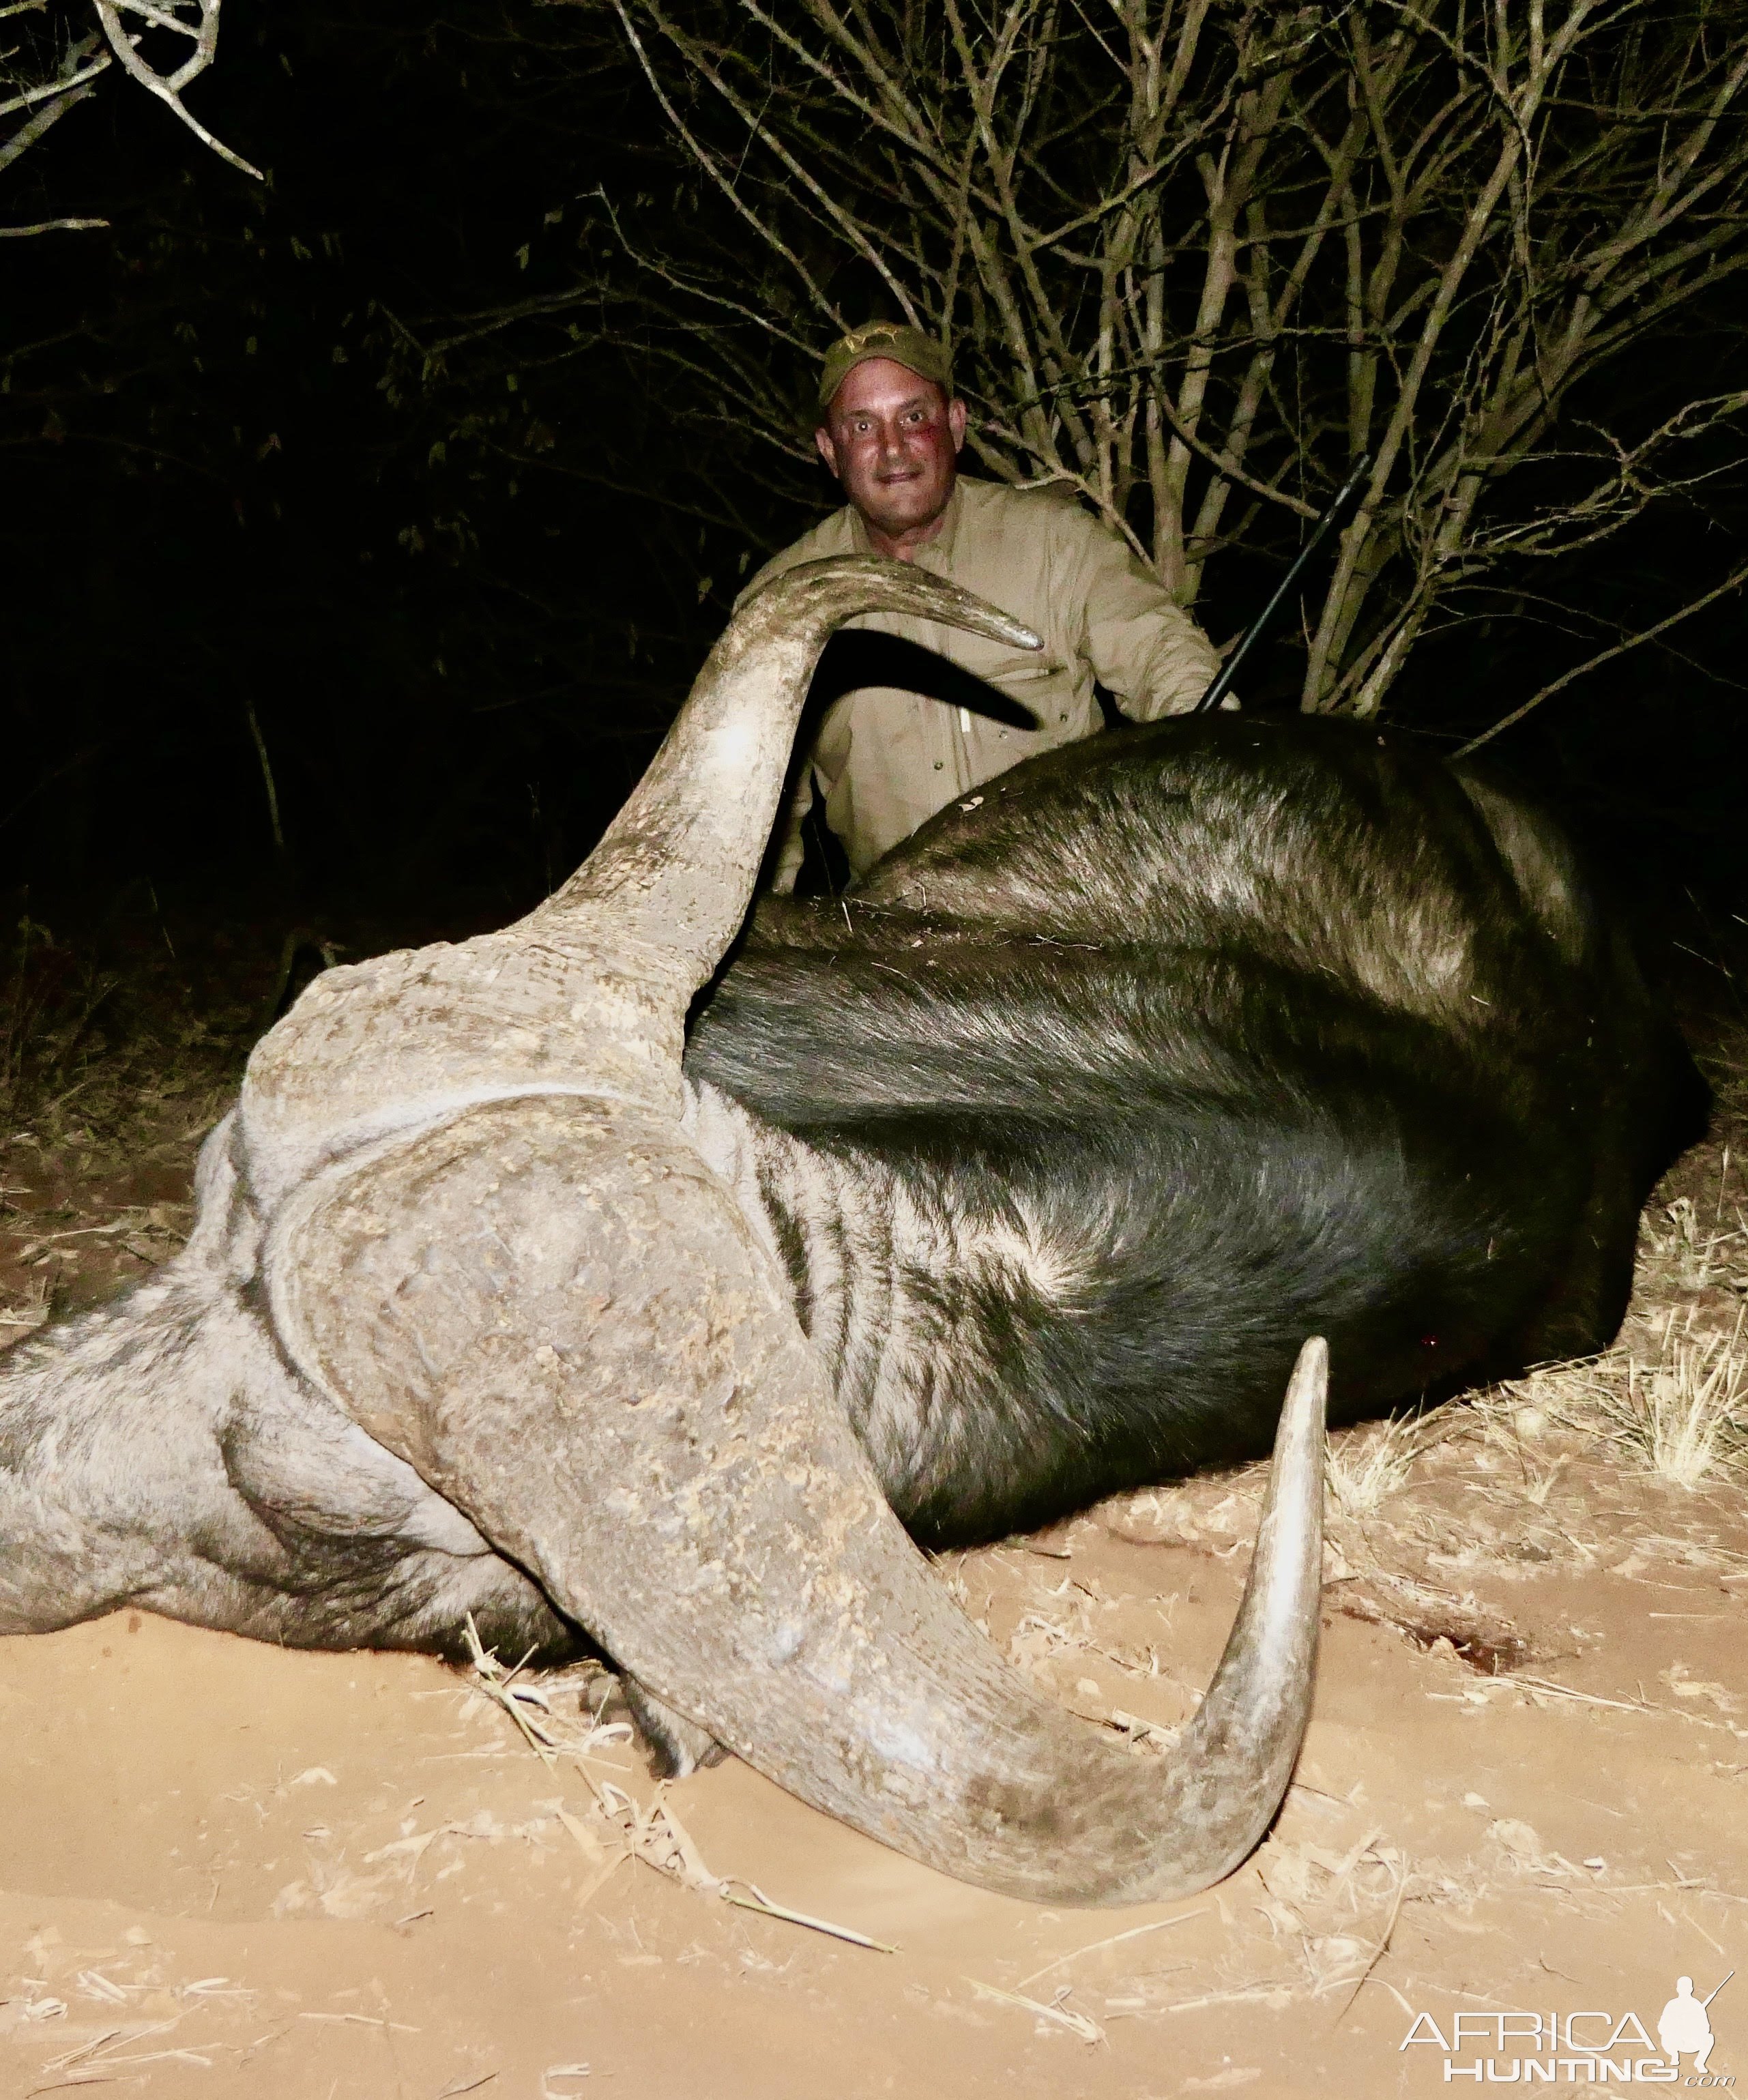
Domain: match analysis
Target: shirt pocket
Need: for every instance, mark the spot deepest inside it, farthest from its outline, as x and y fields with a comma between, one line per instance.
x=1046, y=686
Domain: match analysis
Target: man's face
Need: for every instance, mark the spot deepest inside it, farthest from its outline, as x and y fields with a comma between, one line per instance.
x=892, y=438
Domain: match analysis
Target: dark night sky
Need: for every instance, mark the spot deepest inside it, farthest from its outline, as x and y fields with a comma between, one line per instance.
x=220, y=520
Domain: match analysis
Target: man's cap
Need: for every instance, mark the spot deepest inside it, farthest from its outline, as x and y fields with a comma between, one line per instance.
x=905, y=346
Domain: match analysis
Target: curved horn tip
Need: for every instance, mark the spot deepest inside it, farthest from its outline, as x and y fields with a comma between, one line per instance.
x=900, y=587
x=1307, y=1403
x=1293, y=1524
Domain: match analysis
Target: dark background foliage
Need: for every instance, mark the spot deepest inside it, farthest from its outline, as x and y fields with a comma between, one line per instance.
x=227, y=533
x=324, y=604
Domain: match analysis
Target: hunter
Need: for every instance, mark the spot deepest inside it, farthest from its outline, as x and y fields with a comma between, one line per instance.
x=885, y=759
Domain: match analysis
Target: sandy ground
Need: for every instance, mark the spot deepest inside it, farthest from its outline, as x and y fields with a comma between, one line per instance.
x=229, y=1870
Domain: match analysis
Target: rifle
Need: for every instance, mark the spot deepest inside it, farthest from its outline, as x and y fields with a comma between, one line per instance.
x=1341, y=510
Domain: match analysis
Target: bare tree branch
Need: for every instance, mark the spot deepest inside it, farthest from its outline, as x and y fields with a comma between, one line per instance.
x=168, y=87
x=47, y=113
x=67, y=68
x=1734, y=581
x=51, y=226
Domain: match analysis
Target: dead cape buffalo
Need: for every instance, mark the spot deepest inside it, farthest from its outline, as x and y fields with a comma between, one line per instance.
x=1020, y=1178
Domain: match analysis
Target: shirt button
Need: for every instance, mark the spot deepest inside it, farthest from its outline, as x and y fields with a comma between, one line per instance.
x=938, y=764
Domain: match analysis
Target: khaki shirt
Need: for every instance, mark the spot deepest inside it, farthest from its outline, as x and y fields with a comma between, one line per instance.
x=886, y=760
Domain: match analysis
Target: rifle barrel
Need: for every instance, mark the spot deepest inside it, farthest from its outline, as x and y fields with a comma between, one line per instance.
x=1341, y=508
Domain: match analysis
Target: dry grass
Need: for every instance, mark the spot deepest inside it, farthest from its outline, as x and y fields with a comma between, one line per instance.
x=615, y=1825
x=1680, y=1415
x=1686, y=1417
x=109, y=1078
x=1680, y=1249
x=1366, y=1468
x=100, y=1059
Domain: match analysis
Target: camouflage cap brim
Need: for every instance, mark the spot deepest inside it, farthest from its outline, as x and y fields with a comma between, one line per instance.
x=905, y=346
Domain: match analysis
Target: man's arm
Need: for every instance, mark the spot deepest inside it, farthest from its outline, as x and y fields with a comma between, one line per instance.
x=1144, y=648
x=821, y=768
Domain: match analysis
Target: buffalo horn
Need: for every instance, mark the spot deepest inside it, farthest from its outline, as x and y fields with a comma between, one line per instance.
x=548, y=1303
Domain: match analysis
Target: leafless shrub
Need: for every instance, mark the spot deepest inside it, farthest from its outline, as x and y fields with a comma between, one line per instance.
x=1195, y=261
